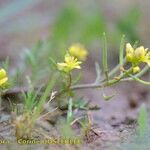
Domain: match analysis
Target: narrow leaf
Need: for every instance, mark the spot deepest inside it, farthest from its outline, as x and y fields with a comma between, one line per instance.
x=142, y=120
x=98, y=73
x=69, y=113
x=107, y=98
x=121, y=57
x=44, y=97
x=104, y=56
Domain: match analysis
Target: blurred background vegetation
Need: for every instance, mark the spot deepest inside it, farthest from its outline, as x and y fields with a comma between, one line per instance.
x=33, y=31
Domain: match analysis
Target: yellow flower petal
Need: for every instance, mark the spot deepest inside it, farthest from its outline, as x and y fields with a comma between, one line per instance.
x=136, y=69
x=129, y=52
x=69, y=64
x=77, y=50
x=138, y=55
x=2, y=73
x=129, y=48
x=139, y=52
x=3, y=81
x=78, y=67
x=148, y=63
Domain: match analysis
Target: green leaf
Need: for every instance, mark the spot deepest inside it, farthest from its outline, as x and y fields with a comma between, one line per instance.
x=142, y=120
x=69, y=113
x=77, y=79
x=43, y=98
x=107, y=98
x=121, y=50
x=53, y=63
x=104, y=56
x=65, y=129
x=98, y=72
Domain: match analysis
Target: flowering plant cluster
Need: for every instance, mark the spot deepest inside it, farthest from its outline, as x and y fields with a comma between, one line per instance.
x=73, y=58
x=137, y=56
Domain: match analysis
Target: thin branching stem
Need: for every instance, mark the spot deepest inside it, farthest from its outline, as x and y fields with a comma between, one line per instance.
x=88, y=85
x=116, y=69
x=143, y=71
x=101, y=85
x=138, y=75
x=139, y=80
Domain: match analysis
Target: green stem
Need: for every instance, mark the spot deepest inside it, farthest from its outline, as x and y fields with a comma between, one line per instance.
x=70, y=81
x=121, y=51
x=138, y=75
x=139, y=80
x=114, y=70
x=69, y=114
x=68, y=87
x=104, y=58
x=102, y=85
x=143, y=71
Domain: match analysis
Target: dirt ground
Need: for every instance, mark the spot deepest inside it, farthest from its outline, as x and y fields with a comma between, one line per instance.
x=113, y=125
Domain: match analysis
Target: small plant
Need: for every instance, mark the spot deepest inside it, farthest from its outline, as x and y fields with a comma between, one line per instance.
x=134, y=56
x=141, y=139
x=25, y=122
x=65, y=97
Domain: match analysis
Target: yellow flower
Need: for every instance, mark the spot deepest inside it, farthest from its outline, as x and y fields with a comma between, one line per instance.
x=69, y=64
x=138, y=55
x=78, y=51
x=136, y=69
x=3, y=78
x=129, y=52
